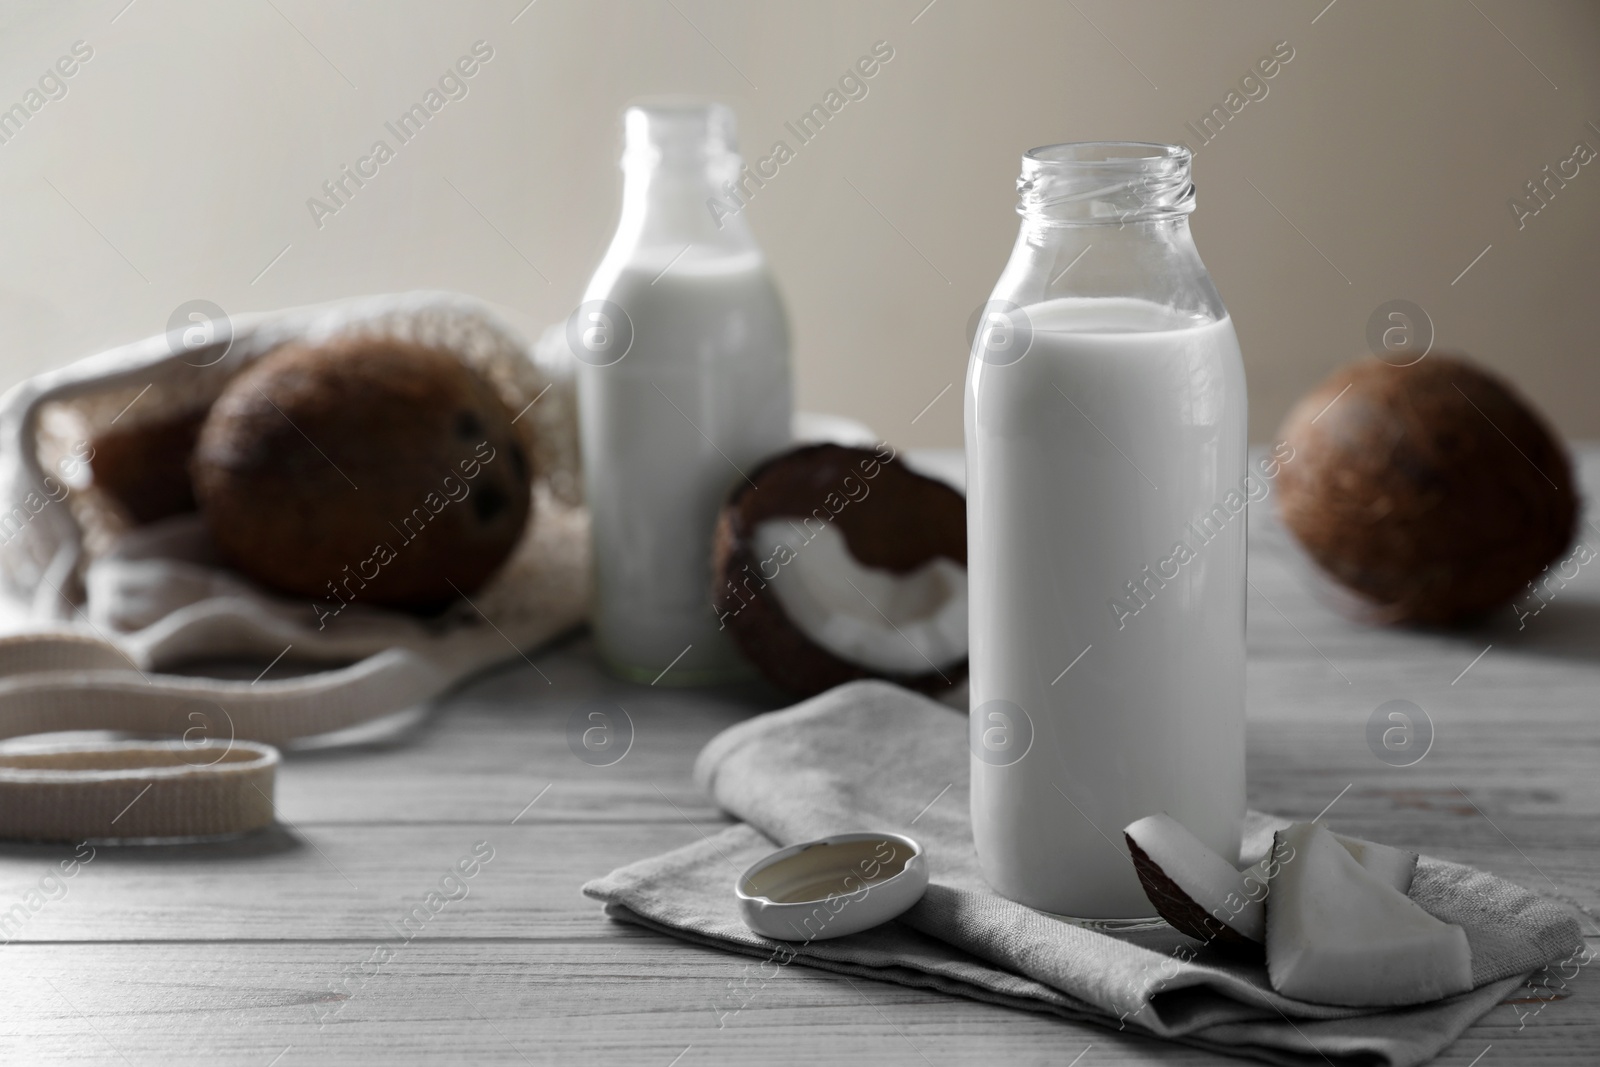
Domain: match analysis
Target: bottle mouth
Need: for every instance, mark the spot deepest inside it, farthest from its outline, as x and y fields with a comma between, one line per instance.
x=675, y=130
x=1096, y=182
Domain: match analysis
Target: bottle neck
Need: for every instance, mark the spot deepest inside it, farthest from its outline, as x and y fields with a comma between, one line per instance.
x=679, y=159
x=682, y=202
x=1108, y=220
x=1099, y=183
x=1145, y=235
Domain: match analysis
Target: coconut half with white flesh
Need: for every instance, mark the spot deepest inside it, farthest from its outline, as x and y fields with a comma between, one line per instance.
x=834, y=563
x=1205, y=896
x=1338, y=934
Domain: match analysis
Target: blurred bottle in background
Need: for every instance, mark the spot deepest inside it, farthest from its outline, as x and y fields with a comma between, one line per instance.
x=683, y=387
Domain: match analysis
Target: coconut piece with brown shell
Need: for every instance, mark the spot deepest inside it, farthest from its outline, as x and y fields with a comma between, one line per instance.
x=833, y=564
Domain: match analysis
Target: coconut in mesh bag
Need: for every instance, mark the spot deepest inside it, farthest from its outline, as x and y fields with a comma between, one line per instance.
x=118, y=583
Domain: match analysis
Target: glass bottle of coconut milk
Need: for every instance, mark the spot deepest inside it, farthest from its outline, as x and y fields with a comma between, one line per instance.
x=683, y=387
x=1106, y=492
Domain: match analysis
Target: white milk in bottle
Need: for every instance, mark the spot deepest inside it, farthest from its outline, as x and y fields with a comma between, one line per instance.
x=683, y=388
x=1106, y=482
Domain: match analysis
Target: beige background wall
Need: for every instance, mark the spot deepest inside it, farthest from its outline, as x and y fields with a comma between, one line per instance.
x=1378, y=166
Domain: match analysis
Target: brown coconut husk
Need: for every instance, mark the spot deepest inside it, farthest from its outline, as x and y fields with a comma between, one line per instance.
x=1433, y=491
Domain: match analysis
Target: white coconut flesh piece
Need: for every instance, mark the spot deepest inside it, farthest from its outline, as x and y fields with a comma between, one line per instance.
x=896, y=623
x=1338, y=934
x=1196, y=889
x=1193, y=887
x=1391, y=866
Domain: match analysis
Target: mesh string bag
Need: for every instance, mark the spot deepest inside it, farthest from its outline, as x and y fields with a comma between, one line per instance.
x=115, y=615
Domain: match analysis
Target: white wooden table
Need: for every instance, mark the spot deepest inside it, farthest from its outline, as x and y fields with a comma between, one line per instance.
x=270, y=950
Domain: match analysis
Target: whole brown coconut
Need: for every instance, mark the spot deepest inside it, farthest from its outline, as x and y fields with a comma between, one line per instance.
x=890, y=517
x=145, y=468
x=368, y=470
x=1432, y=490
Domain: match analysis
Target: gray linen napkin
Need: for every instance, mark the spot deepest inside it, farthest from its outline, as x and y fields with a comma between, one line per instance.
x=872, y=756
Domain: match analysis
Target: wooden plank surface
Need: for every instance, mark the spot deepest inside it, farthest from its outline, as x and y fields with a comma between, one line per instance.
x=237, y=952
x=636, y=1000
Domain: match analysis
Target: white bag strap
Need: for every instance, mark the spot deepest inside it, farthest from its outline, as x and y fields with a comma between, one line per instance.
x=217, y=780
x=64, y=681
x=136, y=791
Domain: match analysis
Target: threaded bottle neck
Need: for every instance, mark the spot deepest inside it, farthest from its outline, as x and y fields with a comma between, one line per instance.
x=1099, y=182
